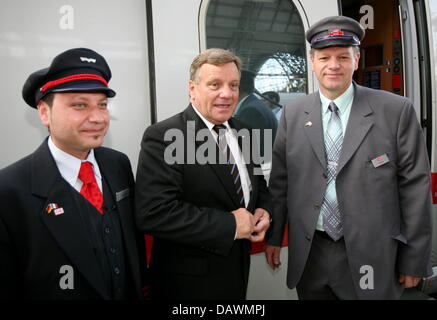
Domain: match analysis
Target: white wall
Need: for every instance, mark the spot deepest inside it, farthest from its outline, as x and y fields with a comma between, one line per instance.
x=33, y=32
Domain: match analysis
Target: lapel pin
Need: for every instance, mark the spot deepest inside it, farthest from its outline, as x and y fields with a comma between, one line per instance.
x=55, y=208
x=51, y=207
x=308, y=124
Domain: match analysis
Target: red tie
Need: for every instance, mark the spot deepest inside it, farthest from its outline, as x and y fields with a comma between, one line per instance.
x=90, y=190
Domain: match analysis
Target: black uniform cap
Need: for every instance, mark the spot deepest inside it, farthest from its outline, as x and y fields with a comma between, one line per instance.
x=74, y=70
x=336, y=31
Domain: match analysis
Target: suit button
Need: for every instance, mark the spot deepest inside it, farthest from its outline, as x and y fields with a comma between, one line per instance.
x=317, y=207
x=107, y=230
x=325, y=175
x=113, y=250
x=116, y=270
x=308, y=237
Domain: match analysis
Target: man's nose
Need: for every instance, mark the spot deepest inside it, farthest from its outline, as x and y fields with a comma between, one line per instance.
x=226, y=92
x=333, y=64
x=97, y=114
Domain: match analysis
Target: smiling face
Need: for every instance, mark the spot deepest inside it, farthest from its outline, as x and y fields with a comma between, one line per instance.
x=77, y=121
x=214, y=91
x=334, y=68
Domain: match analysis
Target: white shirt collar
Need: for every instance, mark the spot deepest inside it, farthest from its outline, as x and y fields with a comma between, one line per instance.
x=209, y=124
x=69, y=165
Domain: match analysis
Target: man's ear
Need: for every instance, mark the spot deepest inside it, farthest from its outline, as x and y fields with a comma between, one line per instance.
x=191, y=87
x=44, y=113
x=357, y=60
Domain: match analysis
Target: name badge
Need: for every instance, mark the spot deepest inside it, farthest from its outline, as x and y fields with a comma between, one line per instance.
x=380, y=160
x=120, y=195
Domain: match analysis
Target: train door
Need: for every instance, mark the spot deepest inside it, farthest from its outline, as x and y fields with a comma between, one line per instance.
x=33, y=32
x=394, y=55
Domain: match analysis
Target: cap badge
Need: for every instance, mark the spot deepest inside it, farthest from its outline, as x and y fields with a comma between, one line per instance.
x=336, y=32
x=84, y=59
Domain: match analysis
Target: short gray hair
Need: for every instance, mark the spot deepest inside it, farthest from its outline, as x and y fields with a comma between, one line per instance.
x=214, y=56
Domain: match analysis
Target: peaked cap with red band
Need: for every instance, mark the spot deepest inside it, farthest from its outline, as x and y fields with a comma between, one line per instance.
x=74, y=70
x=336, y=31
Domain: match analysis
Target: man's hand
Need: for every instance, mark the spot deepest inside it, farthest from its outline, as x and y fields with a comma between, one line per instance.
x=272, y=256
x=408, y=281
x=245, y=223
x=262, y=223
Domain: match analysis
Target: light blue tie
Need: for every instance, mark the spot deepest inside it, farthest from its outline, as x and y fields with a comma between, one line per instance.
x=333, y=141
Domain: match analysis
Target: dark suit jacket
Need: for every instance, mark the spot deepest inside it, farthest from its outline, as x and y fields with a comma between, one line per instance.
x=257, y=115
x=187, y=208
x=34, y=245
x=386, y=209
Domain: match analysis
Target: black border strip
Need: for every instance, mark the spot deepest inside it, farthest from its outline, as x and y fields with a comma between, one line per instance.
x=151, y=55
x=425, y=71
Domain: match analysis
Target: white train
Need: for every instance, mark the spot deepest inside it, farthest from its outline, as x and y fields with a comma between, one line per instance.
x=149, y=45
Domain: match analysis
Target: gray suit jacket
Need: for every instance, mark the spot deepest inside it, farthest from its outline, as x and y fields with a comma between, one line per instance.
x=386, y=209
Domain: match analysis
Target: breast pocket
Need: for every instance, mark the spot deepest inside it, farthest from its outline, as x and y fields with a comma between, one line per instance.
x=381, y=167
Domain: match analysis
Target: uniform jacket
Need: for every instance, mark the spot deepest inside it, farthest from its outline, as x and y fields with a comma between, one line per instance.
x=35, y=244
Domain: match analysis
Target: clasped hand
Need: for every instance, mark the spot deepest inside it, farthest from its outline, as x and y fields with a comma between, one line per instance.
x=251, y=226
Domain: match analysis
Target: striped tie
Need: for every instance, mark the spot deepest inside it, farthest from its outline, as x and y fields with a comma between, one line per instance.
x=333, y=142
x=230, y=161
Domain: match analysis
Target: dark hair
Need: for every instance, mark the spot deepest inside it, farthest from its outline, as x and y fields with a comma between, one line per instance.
x=49, y=99
x=272, y=95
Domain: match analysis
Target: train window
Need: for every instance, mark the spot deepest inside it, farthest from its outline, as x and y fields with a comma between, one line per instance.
x=269, y=37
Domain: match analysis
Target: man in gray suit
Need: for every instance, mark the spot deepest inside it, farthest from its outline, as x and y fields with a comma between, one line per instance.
x=350, y=175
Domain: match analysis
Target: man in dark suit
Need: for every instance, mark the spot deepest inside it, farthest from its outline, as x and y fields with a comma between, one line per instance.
x=255, y=113
x=350, y=175
x=202, y=214
x=67, y=229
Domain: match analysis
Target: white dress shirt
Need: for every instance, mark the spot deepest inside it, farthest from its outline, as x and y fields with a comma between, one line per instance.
x=69, y=166
x=232, y=141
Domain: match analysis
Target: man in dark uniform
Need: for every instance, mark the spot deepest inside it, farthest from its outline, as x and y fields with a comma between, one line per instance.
x=255, y=113
x=66, y=224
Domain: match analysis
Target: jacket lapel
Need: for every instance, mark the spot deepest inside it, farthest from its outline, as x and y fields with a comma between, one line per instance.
x=221, y=170
x=313, y=127
x=359, y=123
x=67, y=228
